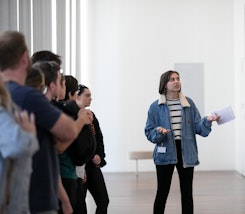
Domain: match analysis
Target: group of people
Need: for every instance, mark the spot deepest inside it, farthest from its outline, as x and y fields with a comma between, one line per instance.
x=37, y=173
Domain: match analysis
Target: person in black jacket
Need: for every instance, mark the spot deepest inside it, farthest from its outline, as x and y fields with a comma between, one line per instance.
x=95, y=182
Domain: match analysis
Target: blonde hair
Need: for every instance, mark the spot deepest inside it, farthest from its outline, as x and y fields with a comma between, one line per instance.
x=5, y=99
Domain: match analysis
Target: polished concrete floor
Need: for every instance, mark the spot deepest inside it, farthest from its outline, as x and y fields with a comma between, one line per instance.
x=215, y=192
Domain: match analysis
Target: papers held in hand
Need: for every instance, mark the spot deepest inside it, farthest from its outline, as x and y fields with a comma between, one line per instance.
x=226, y=115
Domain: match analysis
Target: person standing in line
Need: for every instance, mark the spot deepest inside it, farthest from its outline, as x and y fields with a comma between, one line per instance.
x=63, y=194
x=36, y=79
x=172, y=124
x=46, y=55
x=95, y=182
x=54, y=128
x=52, y=78
x=67, y=179
x=69, y=106
x=55, y=89
x=18, y=143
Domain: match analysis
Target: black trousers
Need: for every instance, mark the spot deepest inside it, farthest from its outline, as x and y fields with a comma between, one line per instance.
x=81, y=207
x=76, y=193
x=97, y=187
x=70, y=185
x=164, y=178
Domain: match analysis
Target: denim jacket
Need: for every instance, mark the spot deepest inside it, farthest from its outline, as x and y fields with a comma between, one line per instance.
x=192, y=124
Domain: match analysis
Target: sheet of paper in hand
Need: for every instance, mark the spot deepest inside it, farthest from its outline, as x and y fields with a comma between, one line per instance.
x=226, y=114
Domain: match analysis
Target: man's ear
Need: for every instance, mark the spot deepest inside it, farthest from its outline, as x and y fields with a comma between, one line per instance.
x=69, y=95
x=25, y=60
x=52, y=85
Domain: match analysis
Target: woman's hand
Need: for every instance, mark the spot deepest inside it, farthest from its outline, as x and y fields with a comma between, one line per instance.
x=215, y=117
x=163, y=130
x=96, y=160
x=26, y=121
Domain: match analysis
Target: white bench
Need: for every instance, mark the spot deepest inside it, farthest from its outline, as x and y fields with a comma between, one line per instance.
x=140, y=155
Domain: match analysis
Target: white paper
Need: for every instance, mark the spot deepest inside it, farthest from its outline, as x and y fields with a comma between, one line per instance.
x=226, y=115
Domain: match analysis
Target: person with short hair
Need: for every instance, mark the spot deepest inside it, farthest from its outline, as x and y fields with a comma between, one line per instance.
x=67, y=166
x=52, y=78
x=172, y=124
x=18, y=143
x=54, y=90
x=55, y=130
x=36, y=80
x=52, y=73
x=46, y=55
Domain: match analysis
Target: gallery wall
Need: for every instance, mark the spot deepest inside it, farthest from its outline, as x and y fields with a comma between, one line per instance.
x=132, y=43
x=119, y=48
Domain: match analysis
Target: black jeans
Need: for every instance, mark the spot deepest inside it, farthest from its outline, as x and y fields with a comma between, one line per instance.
x=76, y=193
x=96, y=186
x=70, y=186
x=81, y=207
x=164, y=178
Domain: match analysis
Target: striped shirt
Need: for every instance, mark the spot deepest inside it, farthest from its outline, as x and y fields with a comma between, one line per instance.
x=175, y=117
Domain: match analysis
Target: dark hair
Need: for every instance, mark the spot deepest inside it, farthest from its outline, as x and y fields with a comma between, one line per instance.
x=45, y=56
x=165, y=77
x=12, y=47
x=81, y=89
x=71, y=86
x=50, y=70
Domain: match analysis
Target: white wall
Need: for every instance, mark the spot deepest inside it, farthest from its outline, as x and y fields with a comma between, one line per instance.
x=132, y=42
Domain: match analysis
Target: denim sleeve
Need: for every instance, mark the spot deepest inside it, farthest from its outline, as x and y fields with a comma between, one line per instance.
x=202, y=125
x=152, y=123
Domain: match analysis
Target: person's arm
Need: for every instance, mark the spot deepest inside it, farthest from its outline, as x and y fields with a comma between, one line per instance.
x=99, y=157
x=155, y=131
x=66, y=129
x=64, y=199
x=48, y=117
